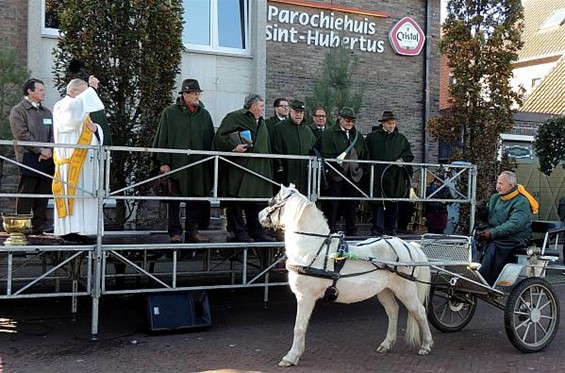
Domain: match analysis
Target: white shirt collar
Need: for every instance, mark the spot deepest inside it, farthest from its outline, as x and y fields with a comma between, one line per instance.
x=36, y=105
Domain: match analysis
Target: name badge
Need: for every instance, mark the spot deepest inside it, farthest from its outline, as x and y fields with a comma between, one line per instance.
x=47, y=121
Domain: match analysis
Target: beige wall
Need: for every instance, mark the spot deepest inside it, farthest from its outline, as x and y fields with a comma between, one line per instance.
x=546, y=189
x=226, y=79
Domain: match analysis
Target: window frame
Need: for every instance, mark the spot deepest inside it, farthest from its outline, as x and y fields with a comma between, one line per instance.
x=556, y=19
x=214, y=45
x=46, y=31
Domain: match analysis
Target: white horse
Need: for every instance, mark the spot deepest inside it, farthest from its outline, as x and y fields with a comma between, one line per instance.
x=309, y=245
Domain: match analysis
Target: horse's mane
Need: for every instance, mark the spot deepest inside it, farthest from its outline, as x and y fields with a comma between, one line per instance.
x=306, y=210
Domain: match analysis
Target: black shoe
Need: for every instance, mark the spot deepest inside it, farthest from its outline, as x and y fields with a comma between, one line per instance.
x=240, y=238
x=71, y=237
x=39, y=230
x=263, y=237
x=78, y=238
x=376, y=233
x=197, y=238
x=85, y=240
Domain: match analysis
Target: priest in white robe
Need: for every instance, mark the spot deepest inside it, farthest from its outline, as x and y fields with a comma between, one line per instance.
x=75, y=218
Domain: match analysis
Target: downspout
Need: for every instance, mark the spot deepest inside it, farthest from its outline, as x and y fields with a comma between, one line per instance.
x=426, y=113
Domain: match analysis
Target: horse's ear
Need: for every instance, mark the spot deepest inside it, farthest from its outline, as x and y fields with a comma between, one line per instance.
x=291, y=186
x=283, y=189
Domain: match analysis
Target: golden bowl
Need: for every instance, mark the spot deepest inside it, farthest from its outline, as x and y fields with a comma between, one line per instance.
x=16, y=223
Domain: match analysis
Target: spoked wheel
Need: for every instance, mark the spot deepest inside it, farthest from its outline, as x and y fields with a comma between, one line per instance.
x=450, y=312
x=531, y=318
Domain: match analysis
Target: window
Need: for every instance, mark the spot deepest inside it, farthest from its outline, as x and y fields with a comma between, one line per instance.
x=521, y=151
x=217, y=25
x=556, y=19
x=49, y=19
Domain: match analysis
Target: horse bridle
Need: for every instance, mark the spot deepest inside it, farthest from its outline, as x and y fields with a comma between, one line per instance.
x=277, y=205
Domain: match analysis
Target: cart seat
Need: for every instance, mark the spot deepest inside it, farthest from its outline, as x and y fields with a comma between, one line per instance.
x=539, y=230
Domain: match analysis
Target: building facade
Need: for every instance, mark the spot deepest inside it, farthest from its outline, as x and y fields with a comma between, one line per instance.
x=301, y=33
x=277, y=47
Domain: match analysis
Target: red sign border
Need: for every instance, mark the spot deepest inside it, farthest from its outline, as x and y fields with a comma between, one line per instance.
x=397, y=48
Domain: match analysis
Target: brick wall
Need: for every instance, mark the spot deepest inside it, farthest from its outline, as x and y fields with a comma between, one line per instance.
x=392, y=82
x=13, y=34
x=13, y=26
x=444, y=84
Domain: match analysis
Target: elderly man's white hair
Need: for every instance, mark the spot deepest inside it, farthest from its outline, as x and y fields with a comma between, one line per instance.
x=512, y=179
x=75, y=84
x=251, y=99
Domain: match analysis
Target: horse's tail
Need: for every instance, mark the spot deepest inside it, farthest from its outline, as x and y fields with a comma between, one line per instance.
x=423, y=278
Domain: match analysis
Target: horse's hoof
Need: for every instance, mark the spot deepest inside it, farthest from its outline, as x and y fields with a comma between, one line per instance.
x=285, y=363
x=383, y=349
x=423, y=351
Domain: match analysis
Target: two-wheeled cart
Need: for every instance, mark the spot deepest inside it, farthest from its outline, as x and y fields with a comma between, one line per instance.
x=530, y=304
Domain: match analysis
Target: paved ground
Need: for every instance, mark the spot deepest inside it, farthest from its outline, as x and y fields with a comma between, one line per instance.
x=246, y=337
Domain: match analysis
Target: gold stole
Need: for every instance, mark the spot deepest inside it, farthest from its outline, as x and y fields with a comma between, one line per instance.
x=75, y=166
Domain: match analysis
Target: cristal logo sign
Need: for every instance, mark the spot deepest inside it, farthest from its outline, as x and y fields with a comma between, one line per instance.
x=407, y=38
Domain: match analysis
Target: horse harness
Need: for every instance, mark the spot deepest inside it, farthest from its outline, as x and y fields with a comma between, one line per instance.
x=331, y=292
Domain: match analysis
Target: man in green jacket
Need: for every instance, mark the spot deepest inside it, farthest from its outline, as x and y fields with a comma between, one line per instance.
x=343, y=141
x=293, y=137
x=186, y=125
x=509, y=224
x=385, y=143
x=237, y=182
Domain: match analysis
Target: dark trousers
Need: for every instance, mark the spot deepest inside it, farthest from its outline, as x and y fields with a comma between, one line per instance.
x=34, y=185
x=195, y=211
x=334, y=210
x=496, y=254
x=241, y=227
x=385, y=218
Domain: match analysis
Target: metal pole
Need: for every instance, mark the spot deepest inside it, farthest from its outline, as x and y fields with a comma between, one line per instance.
x=97, y=275
x=473, y=187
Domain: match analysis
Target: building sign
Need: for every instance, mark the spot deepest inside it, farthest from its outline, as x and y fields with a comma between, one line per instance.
x=407, y=38
x=323, y=27
x=518, y=151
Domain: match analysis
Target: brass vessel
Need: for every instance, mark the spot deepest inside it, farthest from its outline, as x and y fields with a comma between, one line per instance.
x=17, y=225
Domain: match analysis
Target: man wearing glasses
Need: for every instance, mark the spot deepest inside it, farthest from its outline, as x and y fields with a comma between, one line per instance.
x=319, y=120
x=281, y=113
x=344, y=142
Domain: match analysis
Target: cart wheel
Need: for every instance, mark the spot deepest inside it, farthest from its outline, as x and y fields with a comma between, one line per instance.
x=531, y=317
x=450, y=312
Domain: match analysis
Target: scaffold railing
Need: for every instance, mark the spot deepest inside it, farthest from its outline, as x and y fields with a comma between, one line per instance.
x=48, y=267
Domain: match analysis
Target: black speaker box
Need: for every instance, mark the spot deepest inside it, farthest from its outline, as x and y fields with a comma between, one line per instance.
x=178, y=311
